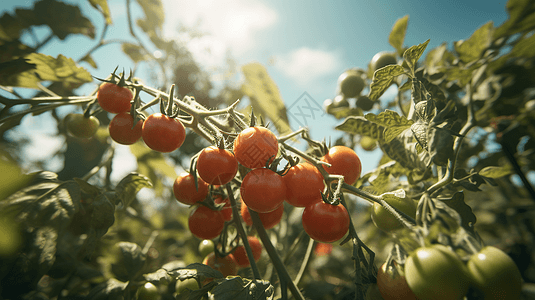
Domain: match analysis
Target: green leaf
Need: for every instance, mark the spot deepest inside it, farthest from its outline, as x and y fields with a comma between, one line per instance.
x=495, y=172
x=524, y=48
x=473, y=47
x=397, y=35
x=394, y=123
x=102, y=6
x=63, y=19
x=196, y=270
x=127, y=188
x=160, y=276
x=111, y=289
x=382, y=79
x=468, y=219
x=265, y=96
x=129, y=260
x=412, y=55
x=361, y=126
x=403, y=150
x=521, y=18
x=61, y=69
x=89, y=59
x=243, y=288
x=154, y=15
x=135, y=52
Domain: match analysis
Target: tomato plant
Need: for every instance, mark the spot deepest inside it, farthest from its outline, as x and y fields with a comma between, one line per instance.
x=217, y=166
x=185, y=191
x=364, y=102
x=148, y=291
x=324, y=222
x=186, y=284
x=80, y=126
x=382, y=59
x=226, y=211
x=255, y=146
x=263, y=190
x=494, y=273
x=344, y=161
x=163, y=133
x=392, y=285
x=226, y=265
x=122, y=129
x=114, y=98
x=304, y=184
x=436, y=272
x=269, y=219
x=206, y=247
x=205, y=223
x=240, y=254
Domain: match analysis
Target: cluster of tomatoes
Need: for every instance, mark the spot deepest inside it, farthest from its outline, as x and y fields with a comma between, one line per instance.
x=436, y=272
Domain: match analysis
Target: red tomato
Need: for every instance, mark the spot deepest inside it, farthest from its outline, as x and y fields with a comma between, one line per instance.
x=205, y=223
x=185, y=191
x=393, y=286
x=324, y=222
x=263, y=190
x=241, y=255
x=122, y=129
x=322, y=249
x=304, y=184
x=255, y=146
x=162, y=133
x=113, y=98
x=344, y=161
x=269, y=220
x=217, y=166
x=226, y=265
x=227, y=209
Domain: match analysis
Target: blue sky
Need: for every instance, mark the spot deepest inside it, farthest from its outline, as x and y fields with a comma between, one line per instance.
x=305, y=45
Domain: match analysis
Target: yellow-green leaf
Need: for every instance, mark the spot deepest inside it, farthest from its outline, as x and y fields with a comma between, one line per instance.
x=495, y=172
x=102, y=6
x=397, y=35
x=472, y=48
x=382, y=79
x=413, y=54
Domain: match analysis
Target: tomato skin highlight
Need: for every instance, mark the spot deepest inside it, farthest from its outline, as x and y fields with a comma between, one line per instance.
x=205, y=223
x=494, y=273
x=324, y=222
x=344, y=161
x=162, y=133
x=217, y=166
x=263, y=190
x=185, y=191
x=436, y=273
x=304, y=183
x=269, y=220
x=255, y=146
x=121, y=130
x=393, y=287
x=113, y=98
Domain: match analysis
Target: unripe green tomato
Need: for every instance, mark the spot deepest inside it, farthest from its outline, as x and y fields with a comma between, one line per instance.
x=328, y=106
x=386, y=221
x=340, y=101
x=148, y=292
x=382, y=59
x=368, y=143
x=206, y=247
x=494, y=273
x=530, y=105
x=350, y=84
x=81, y=127
x=182, y=285
x=436, y=273
x=364, y=103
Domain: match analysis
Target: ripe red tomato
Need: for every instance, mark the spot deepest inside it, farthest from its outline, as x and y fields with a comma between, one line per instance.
x=255, y=146
x=162, y=133
x=205, y=223
x=494, y=273
x=113, y=98
x=324, y=222
x=322, y=249
x=216, y=166
x=122, y=129
x=304, y=184
x=263, y=190
x=393, y=286
x=436, y=273
x=226, y=265
x=185, y=191
x=269, y=220
x=241, y=255
x=81, y=127
x=227, y=209
x=344, y=161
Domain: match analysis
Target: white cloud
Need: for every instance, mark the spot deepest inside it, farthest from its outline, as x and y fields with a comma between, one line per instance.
x=230, y=26
x=306, y=65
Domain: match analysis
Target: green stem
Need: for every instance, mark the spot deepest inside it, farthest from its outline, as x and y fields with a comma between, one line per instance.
x=306, y=260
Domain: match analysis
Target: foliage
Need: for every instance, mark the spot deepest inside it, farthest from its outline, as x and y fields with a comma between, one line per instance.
x=457, y=141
